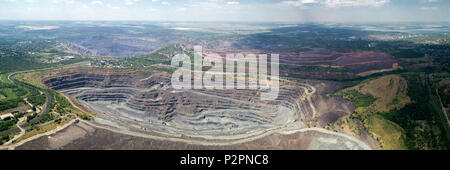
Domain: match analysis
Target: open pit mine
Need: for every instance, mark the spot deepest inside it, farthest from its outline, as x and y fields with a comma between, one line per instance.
x=149, y=107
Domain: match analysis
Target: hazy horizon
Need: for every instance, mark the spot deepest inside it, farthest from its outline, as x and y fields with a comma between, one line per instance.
x=293, y=11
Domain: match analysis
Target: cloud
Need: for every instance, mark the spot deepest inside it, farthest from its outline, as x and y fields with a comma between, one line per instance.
x=300, y=2
x=131, y=2
x=343, y=3
x=63, y=1
x=338, y=3
x=426, y=8
x=233, y=3
x=112, y=7
x=96, y=2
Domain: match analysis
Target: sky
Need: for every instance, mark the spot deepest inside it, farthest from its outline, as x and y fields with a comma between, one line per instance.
x=229, y=10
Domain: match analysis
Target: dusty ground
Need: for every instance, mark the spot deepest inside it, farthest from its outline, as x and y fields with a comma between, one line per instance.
x=82, y=136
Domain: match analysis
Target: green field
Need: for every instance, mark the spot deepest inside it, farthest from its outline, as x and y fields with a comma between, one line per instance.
x=361, y=100
x=11, y=94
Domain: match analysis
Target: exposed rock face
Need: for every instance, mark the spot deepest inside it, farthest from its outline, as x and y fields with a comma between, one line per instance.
x=153, y=104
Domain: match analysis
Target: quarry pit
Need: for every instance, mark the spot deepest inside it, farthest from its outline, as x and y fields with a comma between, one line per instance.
x=149, y=107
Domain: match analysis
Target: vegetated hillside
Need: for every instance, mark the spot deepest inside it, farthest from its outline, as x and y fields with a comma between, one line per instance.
x=396, y=110
x=373, y=97
x=54, y=111
x=20, y=55
x=157, y=60
x=12, y=100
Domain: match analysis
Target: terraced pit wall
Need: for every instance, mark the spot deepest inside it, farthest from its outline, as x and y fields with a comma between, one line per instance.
x=152, y=104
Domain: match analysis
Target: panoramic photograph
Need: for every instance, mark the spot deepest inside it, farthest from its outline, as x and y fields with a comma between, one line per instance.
x=224, y=75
